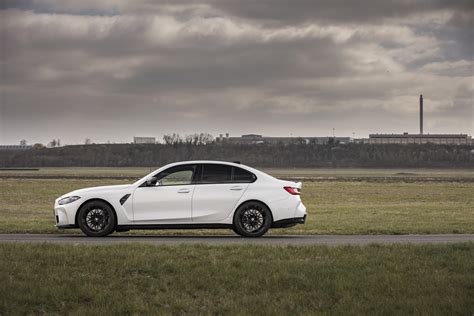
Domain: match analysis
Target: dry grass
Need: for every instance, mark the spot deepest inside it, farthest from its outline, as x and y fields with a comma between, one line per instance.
x=334, y=207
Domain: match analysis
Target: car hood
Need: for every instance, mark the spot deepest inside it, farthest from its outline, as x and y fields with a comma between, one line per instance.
x=107, y=188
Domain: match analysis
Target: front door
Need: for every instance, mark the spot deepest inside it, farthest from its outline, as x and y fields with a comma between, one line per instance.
x=169, y=201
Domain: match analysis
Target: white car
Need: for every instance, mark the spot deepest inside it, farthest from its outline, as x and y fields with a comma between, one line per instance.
x=190, y=194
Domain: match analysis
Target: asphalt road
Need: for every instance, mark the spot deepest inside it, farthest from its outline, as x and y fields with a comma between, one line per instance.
x=273, y=240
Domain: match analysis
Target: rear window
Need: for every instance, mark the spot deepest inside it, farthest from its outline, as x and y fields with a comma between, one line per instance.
x=213, y=173
x=241, y=175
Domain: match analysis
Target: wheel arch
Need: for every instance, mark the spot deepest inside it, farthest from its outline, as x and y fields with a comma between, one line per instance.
x=252, y=200
x=76, y=223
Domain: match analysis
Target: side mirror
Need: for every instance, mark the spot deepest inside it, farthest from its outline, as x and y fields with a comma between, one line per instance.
x=151, y=182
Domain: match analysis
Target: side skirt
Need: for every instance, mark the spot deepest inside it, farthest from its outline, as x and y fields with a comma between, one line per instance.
x=173, y=226
x=66, y=226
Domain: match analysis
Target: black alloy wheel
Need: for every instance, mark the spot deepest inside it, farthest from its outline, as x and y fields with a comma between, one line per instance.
x=96, y=219
x=252, y=219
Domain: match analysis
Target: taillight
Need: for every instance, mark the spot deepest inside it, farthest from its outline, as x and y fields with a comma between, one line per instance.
x=292, y=191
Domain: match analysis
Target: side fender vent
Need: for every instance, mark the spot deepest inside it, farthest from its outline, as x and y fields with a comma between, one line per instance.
x=124, y=198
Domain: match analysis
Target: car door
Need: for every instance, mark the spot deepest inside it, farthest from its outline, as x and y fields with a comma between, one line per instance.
x=169, y=201
x=216, y=194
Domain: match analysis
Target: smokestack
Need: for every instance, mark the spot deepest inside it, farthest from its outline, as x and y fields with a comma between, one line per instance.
x=421, y=114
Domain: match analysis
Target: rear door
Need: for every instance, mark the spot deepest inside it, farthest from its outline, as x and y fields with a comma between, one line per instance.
x=217, y=192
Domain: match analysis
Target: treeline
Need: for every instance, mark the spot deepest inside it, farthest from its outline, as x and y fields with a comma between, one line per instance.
x=260, y=155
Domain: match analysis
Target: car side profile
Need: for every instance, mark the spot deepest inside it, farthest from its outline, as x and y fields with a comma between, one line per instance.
x=189, y=194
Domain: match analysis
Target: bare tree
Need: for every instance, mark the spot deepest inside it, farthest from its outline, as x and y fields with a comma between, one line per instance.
x=52, y=143
x=205, y=139
x=87, y=141
x=173, y=139
x=199, y=139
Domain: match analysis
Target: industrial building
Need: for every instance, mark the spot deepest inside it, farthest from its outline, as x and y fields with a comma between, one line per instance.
x=259, y=139
x=144, y=140
x=421, y=138
x=405, y=138
x=15, y=147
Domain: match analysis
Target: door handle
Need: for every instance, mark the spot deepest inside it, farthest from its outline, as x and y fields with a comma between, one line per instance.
x=184, y=191
x=236, y=188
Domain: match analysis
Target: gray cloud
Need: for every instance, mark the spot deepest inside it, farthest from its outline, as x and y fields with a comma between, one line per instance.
x=294, y=12
x=77, y=69
x=335, y=10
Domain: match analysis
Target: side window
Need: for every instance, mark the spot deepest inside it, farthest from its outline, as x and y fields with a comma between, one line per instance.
x=179, y=175
x=241, y=175
x=214, y=173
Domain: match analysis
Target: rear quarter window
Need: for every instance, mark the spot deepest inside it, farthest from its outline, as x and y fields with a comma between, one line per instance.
x=241, y=175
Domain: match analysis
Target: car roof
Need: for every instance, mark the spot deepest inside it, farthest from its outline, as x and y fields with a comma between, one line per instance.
x=207, y=161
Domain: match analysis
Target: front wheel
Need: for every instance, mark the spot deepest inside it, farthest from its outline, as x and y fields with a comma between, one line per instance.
x=252, y=219
x=96, y=219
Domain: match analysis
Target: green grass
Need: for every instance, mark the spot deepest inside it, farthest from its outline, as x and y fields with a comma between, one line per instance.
x=144, y=279
x=388, y=208
x=26, y=205
x=333, y=207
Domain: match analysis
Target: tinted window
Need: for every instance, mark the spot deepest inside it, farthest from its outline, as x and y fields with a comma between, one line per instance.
x=241, y=175
x=213, y=173
x=178, y=175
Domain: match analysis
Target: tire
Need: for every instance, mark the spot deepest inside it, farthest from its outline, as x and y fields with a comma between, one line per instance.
x=96, y=219
x=252, y=219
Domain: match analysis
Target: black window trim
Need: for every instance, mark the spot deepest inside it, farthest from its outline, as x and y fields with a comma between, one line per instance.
x=198, y=173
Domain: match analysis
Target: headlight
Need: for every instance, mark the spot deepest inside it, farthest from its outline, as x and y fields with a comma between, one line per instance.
x=68, y=199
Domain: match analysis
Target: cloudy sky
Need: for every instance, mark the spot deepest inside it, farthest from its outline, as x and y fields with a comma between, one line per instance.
x=110, y=70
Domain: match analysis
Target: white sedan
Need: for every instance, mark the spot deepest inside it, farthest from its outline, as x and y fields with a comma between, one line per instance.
x=190, y=194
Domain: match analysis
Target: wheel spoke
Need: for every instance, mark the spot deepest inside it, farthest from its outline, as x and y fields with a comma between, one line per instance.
x=252, y=219
x=97, y=219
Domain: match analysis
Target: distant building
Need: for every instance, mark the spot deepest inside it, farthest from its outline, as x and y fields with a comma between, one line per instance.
x=360, y=140
x=421, y=138
x=15, y=147
x=259, y=139
x=405, y=138
x=144, y=140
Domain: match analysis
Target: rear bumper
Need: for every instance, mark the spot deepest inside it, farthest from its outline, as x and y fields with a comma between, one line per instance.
x=289, y=222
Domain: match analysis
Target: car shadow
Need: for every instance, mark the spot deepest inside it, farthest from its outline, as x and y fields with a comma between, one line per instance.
x=235, y=237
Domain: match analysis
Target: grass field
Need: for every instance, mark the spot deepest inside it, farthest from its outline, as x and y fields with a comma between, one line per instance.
x=336, y=207
x=250, y=279
x=140, y=279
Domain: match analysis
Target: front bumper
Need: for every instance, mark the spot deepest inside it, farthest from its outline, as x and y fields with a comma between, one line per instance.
x=65, y=215
x=61, y=216
x=289, y=222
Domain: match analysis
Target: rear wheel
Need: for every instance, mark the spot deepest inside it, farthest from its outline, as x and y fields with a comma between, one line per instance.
x=252, y=219
x=96, y=219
